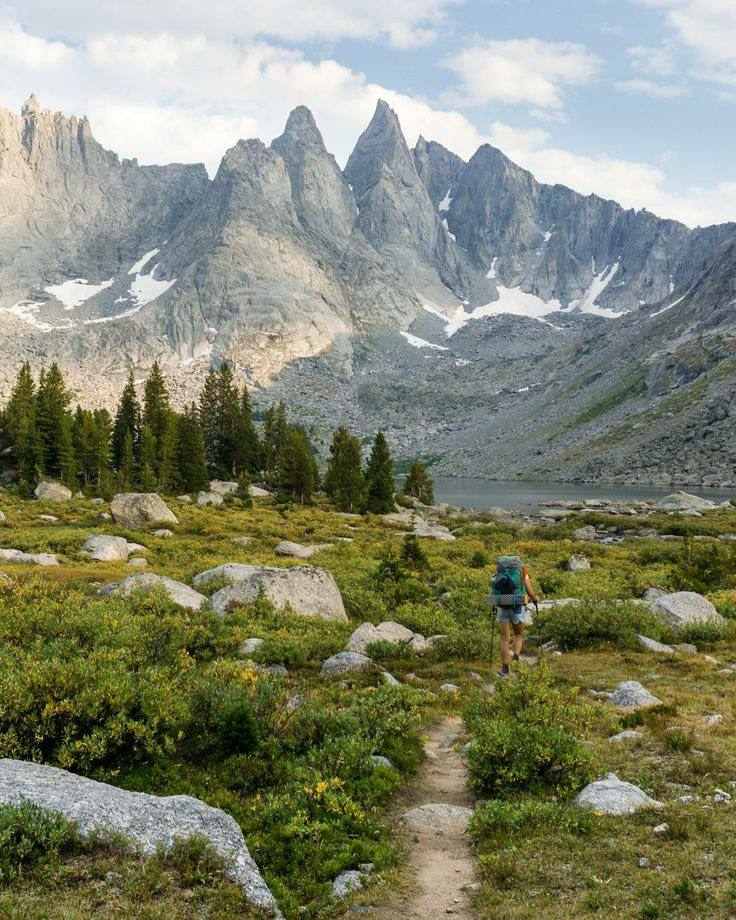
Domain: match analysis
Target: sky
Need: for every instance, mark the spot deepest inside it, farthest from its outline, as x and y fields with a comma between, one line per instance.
x=630, y=99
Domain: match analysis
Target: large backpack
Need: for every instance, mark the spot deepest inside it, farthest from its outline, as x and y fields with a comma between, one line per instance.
x=507, y=585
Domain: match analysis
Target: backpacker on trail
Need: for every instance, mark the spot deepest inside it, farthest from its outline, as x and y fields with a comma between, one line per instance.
x=507, y=585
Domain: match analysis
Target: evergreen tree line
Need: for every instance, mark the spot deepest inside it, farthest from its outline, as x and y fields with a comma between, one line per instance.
x=149, y=446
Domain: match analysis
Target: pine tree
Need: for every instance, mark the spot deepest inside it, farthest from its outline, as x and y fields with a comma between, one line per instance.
x=419, y=484
x=103, y=476
x=209, y=420
x=126, y=470
x=380, y=478
x=248, y=457
x=148, y=460
x=297, y=473
x=66, y=454
x=344, y=481
x=127, y=427
x=191, y=454
x=52, y=422
x=21, y=430
x=230, y=423
x=275, y=432
x=156, y=413
x=167, y=476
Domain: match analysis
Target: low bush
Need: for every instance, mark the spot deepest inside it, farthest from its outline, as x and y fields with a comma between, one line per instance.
x=597, y=622
x=525, y=737
x=502, y=819
x=705, y=568
x=427, y=618
x=30, y=836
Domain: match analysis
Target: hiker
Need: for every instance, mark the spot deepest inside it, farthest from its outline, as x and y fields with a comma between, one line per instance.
x=510, y=588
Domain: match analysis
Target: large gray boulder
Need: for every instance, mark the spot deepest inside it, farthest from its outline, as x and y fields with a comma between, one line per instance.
x=391, y=632
x=612, y=796
x=179, y=593
x=210, y=500
x=223, y=488
x=346, y=663
x=23, y=558
x=307, y=590
x=651, y=645
x=630, y=694
x=149, y=822
x=578, y=563
x=3, y=519
x=685, y=502
x=684, y=608
x=432, y=531
x=52, y=492
x=103, y=548
x=139, y=510
x=299, y=551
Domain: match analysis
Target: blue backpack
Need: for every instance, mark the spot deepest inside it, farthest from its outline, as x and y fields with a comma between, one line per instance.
x=507, y=585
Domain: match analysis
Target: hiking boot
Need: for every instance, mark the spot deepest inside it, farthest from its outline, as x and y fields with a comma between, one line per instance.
x=515, y=657
x=504, y=672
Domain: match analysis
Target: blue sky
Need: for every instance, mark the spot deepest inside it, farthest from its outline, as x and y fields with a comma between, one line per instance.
x=631, y=99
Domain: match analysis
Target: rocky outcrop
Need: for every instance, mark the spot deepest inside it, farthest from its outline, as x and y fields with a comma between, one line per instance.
x=101, y=548
x=392, y=633
x=612, y=796
x=148, y=822
x=23, y=558
x=684, y=608
x=52, y=492
x=176, y=591
x=305, y=590
x=630, y=694
x=140, y=510
x=346, y=663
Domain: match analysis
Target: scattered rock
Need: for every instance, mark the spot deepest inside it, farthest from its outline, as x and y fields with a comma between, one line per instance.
x=578, y=563
x=3, y=519
x=612, y=796
x=449, y=688
x=685, y=648
x=661, y=829
x=138, y=563
x=148, y=821
x=389, y=679
x=439, y=818
x=643, y=862
x=184, y=499
x=627, y=735
x=139, y=510
x=651, y=645
x=346, y=663
x=379, y=760
x=249, y=646
x=684, y=608
x=585, y=534
x=631, y=695
x=423, y=528
x=210, y=500
x=243, y=541
x=223, y=488
x=163, y=533
x=52, y=492
x=684, y=501
x=22, y=558
x=721, y=798
x=713, y=720
x=102, y=548
x=306, y=590
x=367, y=633
x=350, y=881
x=297, y=551
x=258, y=492
x=179, y=593
x=48, y=518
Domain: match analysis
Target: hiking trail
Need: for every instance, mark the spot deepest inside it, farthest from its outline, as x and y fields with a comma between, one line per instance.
x=441, y=866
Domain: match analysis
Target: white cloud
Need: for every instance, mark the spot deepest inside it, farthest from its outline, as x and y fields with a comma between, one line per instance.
x=404, y=25
x=20, y=49
x=522, y=71
x=651, y=88
x=657, y=61
x=631, y=183
x=708, y=28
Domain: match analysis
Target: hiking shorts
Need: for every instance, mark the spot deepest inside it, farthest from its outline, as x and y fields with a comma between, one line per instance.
x=518, y=615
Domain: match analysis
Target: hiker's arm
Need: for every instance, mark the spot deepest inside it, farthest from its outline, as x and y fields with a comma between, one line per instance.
x=529, y=589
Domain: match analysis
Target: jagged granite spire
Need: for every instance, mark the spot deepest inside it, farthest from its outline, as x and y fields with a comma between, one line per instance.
x=438, y=168
x=322, y=197
x=31, y=106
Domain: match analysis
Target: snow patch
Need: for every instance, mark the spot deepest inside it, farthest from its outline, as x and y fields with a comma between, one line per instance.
x=446, y=202
x=142, y=262
x=27, y=312
x=548, y=236
x=449, y=232
x=144, y=290
x=669, y=307
x=492, y=273
x=512, y=301
x=587, y=304
x=416, y=342
x=73, y=293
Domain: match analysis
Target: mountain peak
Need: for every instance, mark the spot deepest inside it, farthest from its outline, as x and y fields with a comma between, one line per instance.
x=31, y=106
x=301, y=128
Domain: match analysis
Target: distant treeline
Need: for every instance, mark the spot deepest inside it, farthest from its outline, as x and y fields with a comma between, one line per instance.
x=151, y=447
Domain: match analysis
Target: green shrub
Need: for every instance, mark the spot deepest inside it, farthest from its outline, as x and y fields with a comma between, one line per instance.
x=479, y=560
x=30, y=836
x=427, y=618
x=597, y=622
x=705, y=567
x=524, y=737
x=412, y=554
x=502, y=819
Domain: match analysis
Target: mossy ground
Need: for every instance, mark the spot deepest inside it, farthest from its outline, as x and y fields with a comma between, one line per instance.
x=302, y=837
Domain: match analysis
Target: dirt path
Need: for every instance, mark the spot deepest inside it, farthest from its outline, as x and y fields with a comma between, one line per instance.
x=441, y=865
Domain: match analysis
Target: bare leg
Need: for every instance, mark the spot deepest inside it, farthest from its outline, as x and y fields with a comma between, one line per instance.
x=505, y=644
x=518, y=638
